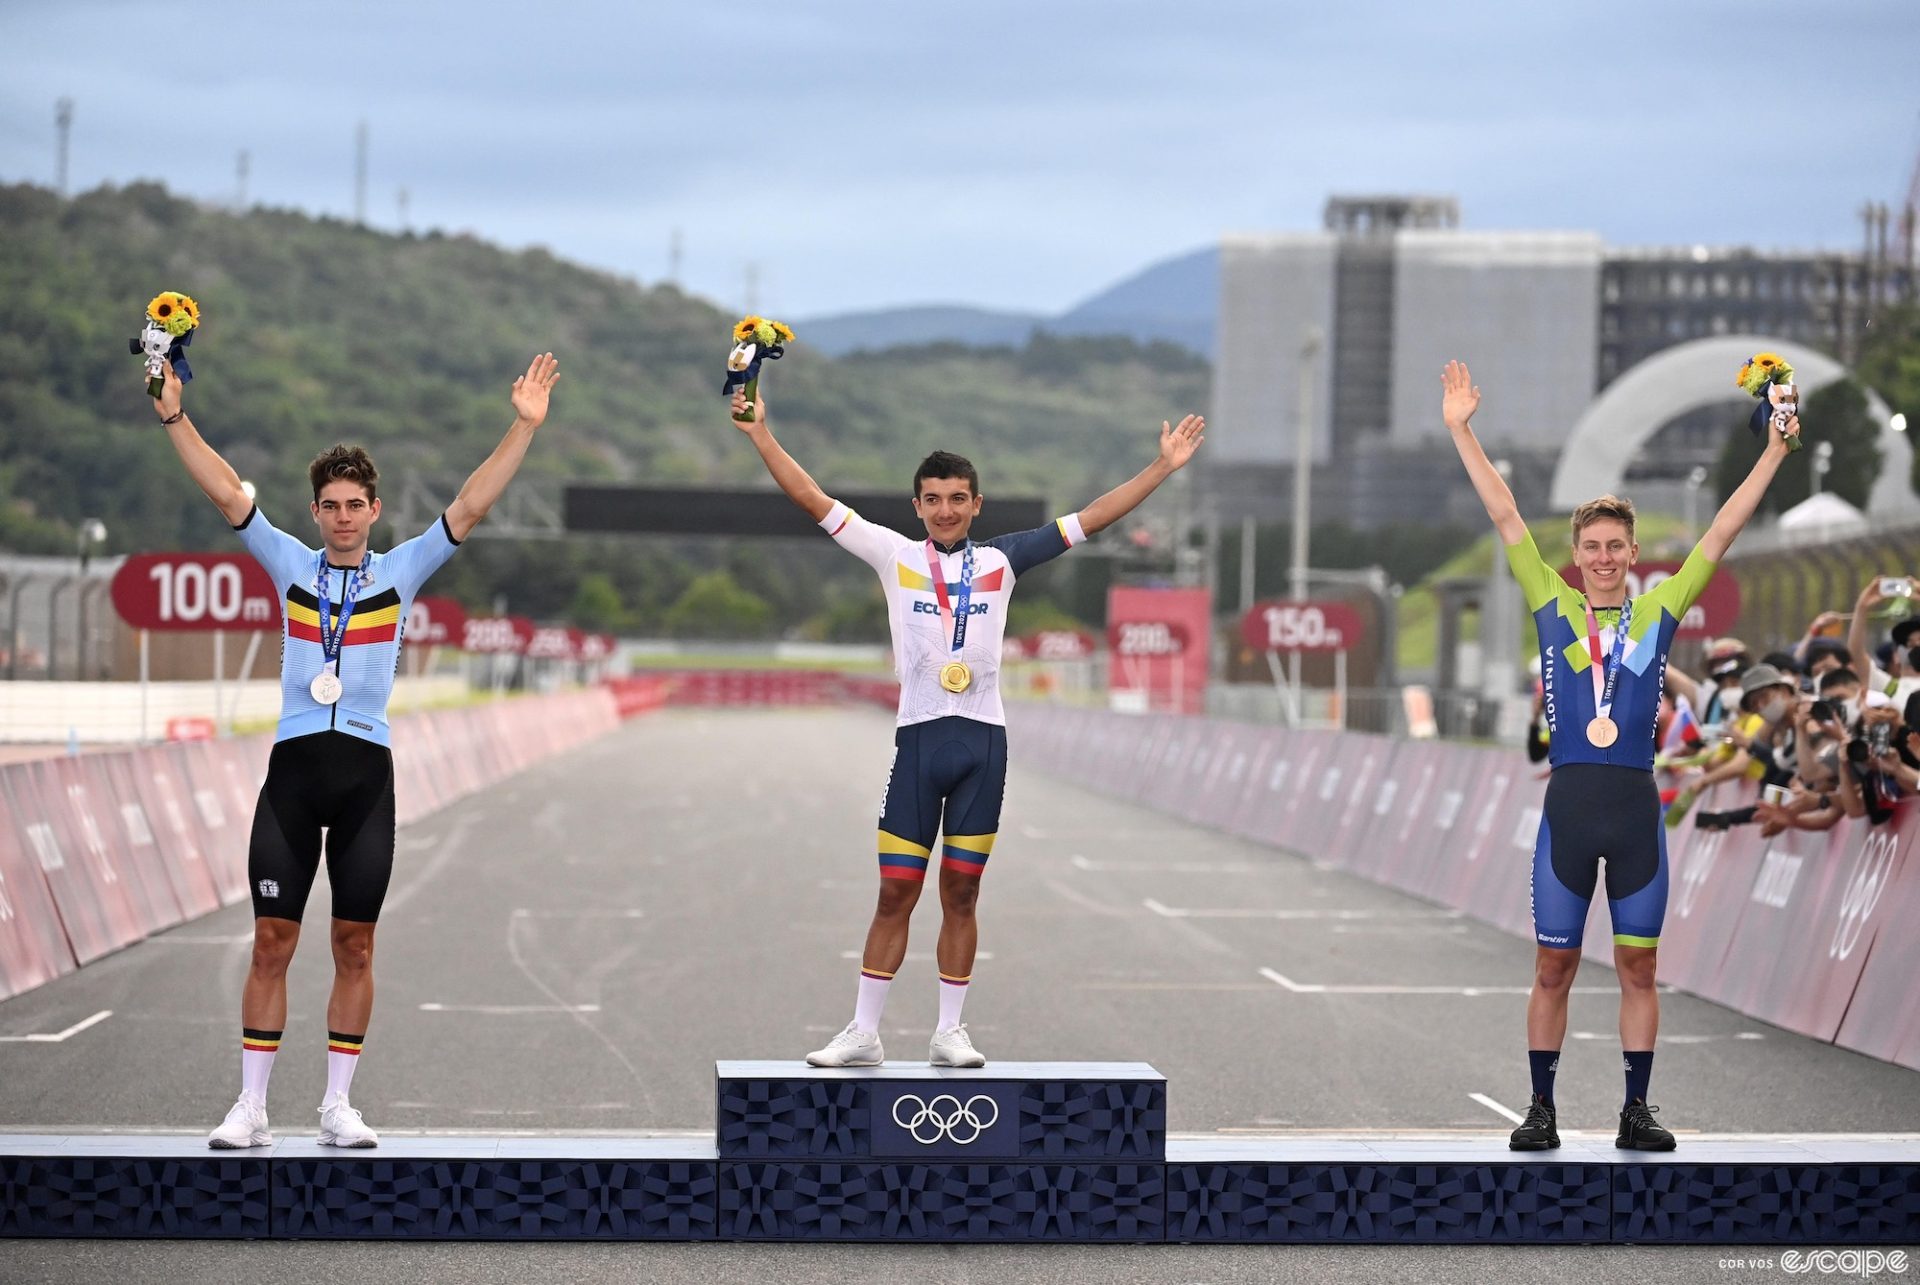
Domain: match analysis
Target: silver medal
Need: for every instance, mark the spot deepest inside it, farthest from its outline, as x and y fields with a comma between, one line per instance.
x=326, y=687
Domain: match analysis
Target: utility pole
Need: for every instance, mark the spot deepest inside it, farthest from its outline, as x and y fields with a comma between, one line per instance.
x=242, y=167
x=675, y=255
x=1303, y=461
x=63, y=133
x=360, y=174
x=405, y=226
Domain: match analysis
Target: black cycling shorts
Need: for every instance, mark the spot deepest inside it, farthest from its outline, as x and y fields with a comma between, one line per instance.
x=333, y=782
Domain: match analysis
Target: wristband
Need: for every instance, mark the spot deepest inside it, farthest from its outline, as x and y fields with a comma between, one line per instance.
x=174, y=418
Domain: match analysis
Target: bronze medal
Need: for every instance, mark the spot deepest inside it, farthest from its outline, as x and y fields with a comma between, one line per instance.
x=1603, y=732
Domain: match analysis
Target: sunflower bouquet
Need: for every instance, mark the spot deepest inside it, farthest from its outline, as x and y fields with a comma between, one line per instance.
x=1768, y=377
x=755, y=339
x=170, y=321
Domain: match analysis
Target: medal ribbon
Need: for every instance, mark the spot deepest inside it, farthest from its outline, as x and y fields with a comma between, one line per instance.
x=955, y=611
x=333, y=636
x=1606, y=677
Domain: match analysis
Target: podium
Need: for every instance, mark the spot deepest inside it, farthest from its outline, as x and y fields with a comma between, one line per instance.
x=1017, y=1151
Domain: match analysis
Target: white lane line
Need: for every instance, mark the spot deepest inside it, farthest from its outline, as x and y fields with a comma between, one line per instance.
x=1232, y=912
x=178, y=939
x=1319, y=988
x=63, y=1036
x=1080, y=862
x=509, y=1008
x=1497, y=1109
x=1614, y=1036
x=918, y=957
x=1066, y=892
x=524, y=913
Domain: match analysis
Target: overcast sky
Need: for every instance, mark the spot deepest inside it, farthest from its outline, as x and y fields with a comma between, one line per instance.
x=1005, y=153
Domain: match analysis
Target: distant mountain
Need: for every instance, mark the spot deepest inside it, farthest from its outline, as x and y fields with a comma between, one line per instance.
x=911, y=327
x=1173, y=301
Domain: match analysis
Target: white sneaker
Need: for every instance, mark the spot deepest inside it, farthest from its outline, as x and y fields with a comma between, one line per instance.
x=341, y=1126
x=245, y=1126
x=954, y=1047
x=850, y=1048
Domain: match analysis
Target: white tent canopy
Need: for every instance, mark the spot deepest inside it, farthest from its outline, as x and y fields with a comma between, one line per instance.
x=1825, y=514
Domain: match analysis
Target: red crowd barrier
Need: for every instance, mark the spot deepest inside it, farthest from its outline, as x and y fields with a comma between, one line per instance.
x=1788, y=930
x=99, y=851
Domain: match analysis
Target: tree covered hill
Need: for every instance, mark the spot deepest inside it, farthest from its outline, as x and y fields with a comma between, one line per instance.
x=316, y=331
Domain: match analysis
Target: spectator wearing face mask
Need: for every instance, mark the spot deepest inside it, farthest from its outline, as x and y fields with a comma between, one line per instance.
x=1767, y=702
x=1896, y=676
x=1718, y=694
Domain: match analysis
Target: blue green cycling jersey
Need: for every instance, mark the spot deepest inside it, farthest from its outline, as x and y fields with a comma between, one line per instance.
x=1560, y=618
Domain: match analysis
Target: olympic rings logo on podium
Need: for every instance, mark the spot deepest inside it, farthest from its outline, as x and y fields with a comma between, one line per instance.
x=951, y=1123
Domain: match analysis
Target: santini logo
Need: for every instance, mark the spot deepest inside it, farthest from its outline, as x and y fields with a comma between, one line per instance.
x=269, y=887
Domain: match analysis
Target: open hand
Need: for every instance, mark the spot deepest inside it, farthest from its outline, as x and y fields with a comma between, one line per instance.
x=531, y=390
x=1459, y=398
x=1179, y=441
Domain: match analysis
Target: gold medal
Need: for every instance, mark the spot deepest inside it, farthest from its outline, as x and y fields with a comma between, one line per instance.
x=1603, y=732
x=956, y=677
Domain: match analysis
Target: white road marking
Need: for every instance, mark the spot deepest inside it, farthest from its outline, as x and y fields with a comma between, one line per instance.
x=178, y=939
x=1498, y=1109
x=509, y=1008
x=524, y=913
x=1614, y=1036
x=63, y=1036
x=1318, y=988
x=1235, y=912
x=1080, y=862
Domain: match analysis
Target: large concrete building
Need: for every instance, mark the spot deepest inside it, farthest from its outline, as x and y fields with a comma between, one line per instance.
x=1371, y=306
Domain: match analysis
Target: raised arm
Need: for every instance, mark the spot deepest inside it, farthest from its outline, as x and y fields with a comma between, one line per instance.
x=1740, y=506
x=210, y=472
x=794, y=480
x=1178, y=442
x=1459, y=400
x=488, y=482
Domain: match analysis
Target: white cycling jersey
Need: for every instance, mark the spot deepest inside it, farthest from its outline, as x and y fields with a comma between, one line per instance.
x=922, y=635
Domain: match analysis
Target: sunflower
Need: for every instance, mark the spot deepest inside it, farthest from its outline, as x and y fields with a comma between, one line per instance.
x=747, y=328
x=785, y=334
x=1763, y=369
x=175, y=312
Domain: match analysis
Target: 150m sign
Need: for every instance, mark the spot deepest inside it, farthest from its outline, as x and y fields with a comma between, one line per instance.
x=195, y=591
x=1302, y=626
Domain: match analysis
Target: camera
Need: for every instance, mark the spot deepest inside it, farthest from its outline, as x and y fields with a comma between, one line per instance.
x=1896, y=587
x=1822, y=711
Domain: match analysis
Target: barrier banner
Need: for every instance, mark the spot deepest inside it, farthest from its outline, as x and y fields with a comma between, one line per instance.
x=33, y=949
x=1879, y=906
x=1292, y=776
x=144, y=836
x=1482, y=860
x=221, y=843
x=1251, y=792
x=99, y=823
x=1830, y=889
x=1709, y=873
x=1401, y=853
x=95, y=910
x=226, y=816
x=1370, y=766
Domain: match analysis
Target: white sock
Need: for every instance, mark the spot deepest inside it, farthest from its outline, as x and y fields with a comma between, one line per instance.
x=953, y=993
x=256, y=1062
x=872, y=1000
x=343, y=1055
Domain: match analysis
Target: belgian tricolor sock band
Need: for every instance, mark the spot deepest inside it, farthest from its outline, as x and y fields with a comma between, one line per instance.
x=343, y=1054
x=256, y=1061
x=872, y=1000
x=953, y=993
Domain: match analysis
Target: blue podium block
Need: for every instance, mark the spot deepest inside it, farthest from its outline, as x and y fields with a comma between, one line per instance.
x=106, y=1185
x=497, y=1189
x=1789, y=1192
x=1034, y=1111
x=1406, y=1192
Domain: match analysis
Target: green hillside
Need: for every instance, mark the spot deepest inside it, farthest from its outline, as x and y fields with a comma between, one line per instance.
x=316, y=331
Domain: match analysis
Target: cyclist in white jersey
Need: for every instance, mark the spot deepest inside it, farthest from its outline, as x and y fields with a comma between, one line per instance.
x=947, y=601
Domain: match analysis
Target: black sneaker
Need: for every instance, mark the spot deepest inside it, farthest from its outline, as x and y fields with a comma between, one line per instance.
x=1638, y=1132
x=1539, y=1131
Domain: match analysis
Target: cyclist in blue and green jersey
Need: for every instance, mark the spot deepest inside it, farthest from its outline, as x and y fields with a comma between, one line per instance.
x=343, y=613
x=1603, y=659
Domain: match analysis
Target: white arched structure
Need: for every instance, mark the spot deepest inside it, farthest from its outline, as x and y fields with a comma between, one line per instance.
x=1700, y=373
